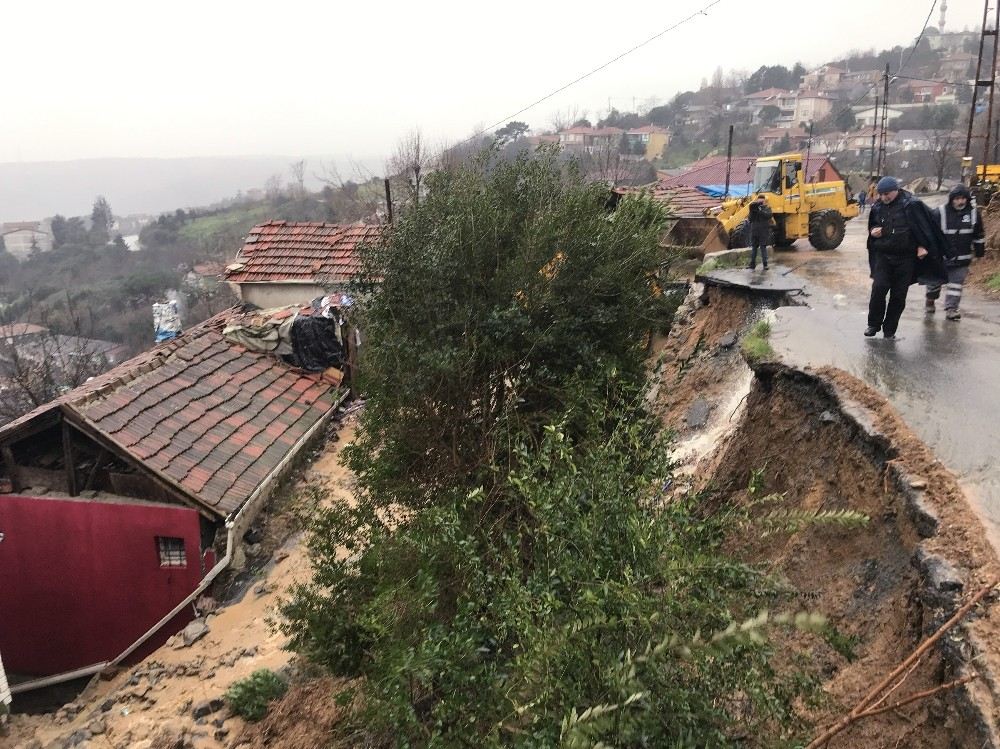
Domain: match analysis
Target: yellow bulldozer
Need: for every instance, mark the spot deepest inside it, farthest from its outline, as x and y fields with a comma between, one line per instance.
x=817, y=210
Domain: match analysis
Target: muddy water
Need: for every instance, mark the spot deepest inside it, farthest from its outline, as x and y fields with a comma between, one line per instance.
x=943, y=377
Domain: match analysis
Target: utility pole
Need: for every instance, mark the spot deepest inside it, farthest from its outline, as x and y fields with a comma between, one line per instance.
x=885, y=121
x=874, y=132
x=729, y=161
x=388, y=200
x=809, y=148
x=980, y=83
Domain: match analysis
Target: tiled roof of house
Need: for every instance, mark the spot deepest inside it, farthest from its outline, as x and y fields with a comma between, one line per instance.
x=685, y=202
x=17, y=329
x=681, y=202
x=308, y=251
x=712, y=171
x=768, y=93
x=207, y=416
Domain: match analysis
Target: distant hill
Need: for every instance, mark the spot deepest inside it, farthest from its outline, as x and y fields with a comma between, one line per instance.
x=34, y=190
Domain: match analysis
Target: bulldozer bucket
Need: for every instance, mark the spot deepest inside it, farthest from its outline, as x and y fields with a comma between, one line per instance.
x=701, y=233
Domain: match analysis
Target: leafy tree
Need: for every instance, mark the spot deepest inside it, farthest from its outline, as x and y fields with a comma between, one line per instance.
x=582, y=122
x=101, y=222
x=928, y=117
x=510, y=559
x=511, y=131
x=769, y=114
x=845, y=119
x=624, y=120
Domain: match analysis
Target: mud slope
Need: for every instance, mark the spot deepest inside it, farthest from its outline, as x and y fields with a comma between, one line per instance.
x=825, y=441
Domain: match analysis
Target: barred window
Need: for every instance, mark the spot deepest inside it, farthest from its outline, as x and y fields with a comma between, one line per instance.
x=171, y=551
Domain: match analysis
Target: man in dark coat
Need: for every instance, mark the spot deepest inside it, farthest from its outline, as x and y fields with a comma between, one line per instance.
x=760, y=230
x=963, y=227
x=905, y=245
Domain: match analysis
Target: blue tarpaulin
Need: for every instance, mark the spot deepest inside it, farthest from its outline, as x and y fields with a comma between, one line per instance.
x=719, y=191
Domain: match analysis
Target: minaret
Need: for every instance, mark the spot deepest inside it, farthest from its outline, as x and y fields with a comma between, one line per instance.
x=944, y=9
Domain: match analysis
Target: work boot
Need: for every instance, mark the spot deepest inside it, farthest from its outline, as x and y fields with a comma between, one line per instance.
x=953, y=314
x=889, y=336
x=929, y=306
x=870, y=331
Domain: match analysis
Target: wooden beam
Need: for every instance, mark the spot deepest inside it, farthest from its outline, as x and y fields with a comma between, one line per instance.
x=11, y=466
x=101, y=457
x=172, y=488
x=69, y=460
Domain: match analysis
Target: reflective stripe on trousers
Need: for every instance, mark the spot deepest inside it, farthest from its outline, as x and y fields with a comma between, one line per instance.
x=953, y=289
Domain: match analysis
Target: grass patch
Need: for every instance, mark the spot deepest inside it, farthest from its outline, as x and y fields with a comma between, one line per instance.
x=249, y=697
x=733, y=259
x=756, y=346
x=993, y=282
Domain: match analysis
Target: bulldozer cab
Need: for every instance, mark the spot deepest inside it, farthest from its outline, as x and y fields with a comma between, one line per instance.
x=776, y=176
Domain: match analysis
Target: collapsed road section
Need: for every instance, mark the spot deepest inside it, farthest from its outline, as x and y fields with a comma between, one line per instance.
x=820, y=443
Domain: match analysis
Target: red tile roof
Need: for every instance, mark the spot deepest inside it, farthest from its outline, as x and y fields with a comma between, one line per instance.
x=17, y=329
x=681, y=202
x=209, y=417
x=288, y=251
x=712, y=171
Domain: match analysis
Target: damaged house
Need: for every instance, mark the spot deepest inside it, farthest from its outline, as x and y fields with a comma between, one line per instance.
x=284, y=262
x=123, y=499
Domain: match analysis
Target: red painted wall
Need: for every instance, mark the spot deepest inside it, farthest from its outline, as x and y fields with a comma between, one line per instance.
x=80, y=580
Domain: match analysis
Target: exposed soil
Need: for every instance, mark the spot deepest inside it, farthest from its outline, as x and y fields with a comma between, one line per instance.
x=304, y=718
x=826, y=441
x=987, y=267
x=865, y=580
x=700, y=356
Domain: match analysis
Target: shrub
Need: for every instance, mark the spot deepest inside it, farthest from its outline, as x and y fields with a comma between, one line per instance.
x=249, y=697
x=515, y=573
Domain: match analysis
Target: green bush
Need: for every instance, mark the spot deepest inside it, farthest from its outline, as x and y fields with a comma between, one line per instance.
x=516, y=571
x=249, y=697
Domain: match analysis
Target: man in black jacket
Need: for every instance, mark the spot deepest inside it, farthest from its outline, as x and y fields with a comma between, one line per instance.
x=963, y=227
x=760, y=230
x=904, y=244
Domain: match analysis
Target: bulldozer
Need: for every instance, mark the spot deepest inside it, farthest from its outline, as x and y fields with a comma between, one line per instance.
x=817, y=210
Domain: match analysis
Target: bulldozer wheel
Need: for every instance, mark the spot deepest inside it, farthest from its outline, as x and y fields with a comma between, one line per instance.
x=740, y=236
x=826, y=230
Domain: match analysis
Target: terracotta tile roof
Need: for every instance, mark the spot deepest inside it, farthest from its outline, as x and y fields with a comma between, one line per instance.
x=682, y=202
x=210, y=417
x=685, y=202
x=712, y=171
x=288, y=251
x=17, y=329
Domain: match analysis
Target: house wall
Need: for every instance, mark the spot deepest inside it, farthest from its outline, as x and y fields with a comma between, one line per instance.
x=18, y=243
x=82, y=580
x=656, y=144
x=266, y=295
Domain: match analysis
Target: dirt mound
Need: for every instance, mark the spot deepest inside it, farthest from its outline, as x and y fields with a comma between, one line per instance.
x=884, y=587
x=303, y=719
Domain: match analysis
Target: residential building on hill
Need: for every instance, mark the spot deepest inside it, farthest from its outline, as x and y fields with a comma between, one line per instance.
x=283, y=262
x=21, y=238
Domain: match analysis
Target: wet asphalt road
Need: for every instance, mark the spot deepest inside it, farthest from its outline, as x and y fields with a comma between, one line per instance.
x=942, y=376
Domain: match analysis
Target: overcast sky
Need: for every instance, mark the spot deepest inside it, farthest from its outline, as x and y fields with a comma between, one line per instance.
x=220, y=77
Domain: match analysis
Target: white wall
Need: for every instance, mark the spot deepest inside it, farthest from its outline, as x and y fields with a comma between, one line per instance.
x=266, y=295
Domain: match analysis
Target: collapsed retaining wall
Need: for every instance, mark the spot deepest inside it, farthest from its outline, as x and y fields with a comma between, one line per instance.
x=824, y=440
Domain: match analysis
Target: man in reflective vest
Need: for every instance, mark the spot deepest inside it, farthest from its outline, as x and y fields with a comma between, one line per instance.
x=963, y=227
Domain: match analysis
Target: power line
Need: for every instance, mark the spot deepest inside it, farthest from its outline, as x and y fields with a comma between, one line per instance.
x=702, y=12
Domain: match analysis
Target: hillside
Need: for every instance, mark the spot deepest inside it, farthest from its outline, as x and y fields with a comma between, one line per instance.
x=32, y=190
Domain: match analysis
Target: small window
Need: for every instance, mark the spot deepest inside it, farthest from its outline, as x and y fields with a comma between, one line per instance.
x=171, y=551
